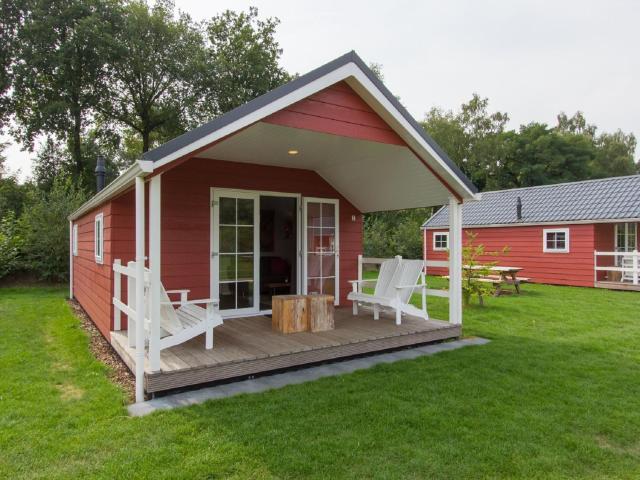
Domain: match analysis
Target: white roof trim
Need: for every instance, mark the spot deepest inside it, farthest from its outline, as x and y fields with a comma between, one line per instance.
x=139, y=169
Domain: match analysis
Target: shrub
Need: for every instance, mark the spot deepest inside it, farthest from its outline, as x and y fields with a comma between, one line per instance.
x=45, y=229
x=10, y=245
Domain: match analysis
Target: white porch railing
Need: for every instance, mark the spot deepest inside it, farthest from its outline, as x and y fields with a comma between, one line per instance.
x=627, y=263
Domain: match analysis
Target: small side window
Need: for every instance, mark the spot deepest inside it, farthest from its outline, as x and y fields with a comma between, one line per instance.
x=75, y=240
x=555, y=240
x=99, y=238
x=440, y=241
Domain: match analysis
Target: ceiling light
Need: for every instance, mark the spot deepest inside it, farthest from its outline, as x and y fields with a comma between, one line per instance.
x=293, y=151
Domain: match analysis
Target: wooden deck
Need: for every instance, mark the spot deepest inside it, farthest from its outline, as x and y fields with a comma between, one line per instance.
x=618, y=286
x=248, y=346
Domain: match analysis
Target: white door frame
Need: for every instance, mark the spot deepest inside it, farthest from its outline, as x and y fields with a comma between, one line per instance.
x=336, y=203
x=214, y=247
x=215, y=193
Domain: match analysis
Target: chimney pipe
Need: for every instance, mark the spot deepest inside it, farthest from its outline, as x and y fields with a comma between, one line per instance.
x=100, y=172
x=519, y=208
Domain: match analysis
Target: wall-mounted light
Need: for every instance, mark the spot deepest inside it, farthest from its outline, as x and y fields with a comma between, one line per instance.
x=293, y=151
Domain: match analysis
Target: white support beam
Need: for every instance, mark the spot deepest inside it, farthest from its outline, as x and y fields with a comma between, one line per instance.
x=71, y=259
x=140, y=307
x=455, y=261
x=154, y=271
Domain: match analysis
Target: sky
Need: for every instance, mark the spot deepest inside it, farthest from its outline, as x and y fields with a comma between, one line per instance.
x=532, y=59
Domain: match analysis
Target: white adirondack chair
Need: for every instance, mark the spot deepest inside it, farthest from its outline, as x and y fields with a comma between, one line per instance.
x=627, y=262
x=394, y=287
x=188, y=320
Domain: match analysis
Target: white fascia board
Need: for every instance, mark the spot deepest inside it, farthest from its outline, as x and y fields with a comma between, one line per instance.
x=120, y=184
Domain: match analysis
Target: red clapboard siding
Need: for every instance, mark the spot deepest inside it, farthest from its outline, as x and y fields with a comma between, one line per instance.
x=337, y=110
x=186, y=219
x=526, y=250
x=186, y=216
x=93, y=282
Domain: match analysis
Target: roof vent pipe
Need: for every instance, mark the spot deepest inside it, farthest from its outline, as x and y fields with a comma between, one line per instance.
x=519, y=208
x=100, y=172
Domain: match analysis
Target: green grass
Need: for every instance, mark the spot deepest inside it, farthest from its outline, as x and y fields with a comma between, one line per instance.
x=556, y=394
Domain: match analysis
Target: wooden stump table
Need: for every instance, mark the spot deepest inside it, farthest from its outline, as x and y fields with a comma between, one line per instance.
x=301, y=313
x=320, y=312
x=289, y=313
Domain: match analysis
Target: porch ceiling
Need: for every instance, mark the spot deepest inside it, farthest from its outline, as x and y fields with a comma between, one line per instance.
x=372, y=176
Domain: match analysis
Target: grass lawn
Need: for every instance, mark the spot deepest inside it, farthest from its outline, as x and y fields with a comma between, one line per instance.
x=556, y=394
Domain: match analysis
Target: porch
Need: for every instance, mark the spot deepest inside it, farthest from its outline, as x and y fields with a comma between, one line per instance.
x=248, y=346
x=618, y=270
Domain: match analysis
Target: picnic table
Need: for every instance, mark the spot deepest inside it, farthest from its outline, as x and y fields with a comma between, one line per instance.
x=502, y=274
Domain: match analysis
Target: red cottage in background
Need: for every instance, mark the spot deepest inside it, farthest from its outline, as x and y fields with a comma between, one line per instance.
x=582, y=233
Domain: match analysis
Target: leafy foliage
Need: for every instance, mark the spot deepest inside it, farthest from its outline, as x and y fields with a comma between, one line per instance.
x=475, y=269
x=10, y=244
x=45, y=229
x=387, y=234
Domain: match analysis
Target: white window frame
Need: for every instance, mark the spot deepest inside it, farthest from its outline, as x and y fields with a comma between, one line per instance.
x=98, y=242
x=74, y=240
x=547, y=231
x=438, y=234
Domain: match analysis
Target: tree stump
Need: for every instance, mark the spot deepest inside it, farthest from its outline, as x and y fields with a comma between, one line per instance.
x=289, y=313
x=320, y=309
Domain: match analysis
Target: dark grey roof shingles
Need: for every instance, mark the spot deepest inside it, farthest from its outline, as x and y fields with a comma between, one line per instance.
x=604, y=199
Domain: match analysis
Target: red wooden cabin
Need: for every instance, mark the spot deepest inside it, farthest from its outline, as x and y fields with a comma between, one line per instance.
x=582, y=233
x=264, y=200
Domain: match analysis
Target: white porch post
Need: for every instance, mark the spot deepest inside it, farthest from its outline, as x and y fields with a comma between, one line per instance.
x=455, y=261
x=71, y=259
x=140, y=307
x=154, y=269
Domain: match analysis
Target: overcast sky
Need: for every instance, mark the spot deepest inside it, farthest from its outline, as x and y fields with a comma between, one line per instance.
x=532, y=59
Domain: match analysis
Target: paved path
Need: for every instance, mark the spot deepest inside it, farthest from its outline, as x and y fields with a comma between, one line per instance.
x=280, y=380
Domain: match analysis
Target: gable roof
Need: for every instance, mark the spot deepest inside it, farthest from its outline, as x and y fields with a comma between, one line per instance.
x=178, y=145
x=614, y=198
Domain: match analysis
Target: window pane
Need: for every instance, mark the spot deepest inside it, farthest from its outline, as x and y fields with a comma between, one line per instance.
x=245, y=267
x=328, y=265
x=313, y=214
x=314, y=286
x=328, y=240
x=227, y=239
x=328, y=211
x=313, y=265
x=245, y=239
x=245, y=211
x=227, y=296
x=560, y=245
x=228, y=211
x=245, y=294
x=227, y=267
x=329, y=286
x=314, y=240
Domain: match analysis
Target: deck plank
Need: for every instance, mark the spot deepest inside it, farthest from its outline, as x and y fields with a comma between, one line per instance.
x=248, y=345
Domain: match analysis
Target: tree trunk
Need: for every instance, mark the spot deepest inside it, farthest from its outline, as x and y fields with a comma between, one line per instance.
x=76, y=147
x=145, y=141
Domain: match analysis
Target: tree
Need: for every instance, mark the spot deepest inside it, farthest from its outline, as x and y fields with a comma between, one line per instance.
x=387, y=234
x=12, y=17
x=154, y=69
x=60, y=59
x=45, y=230
x=614, y=151
x=614, y=155
x=242, y=59
x=472, y=138
x=539, y=155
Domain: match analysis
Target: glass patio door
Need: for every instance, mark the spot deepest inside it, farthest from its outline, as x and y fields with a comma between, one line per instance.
x=235, y=251
x=321, y=247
